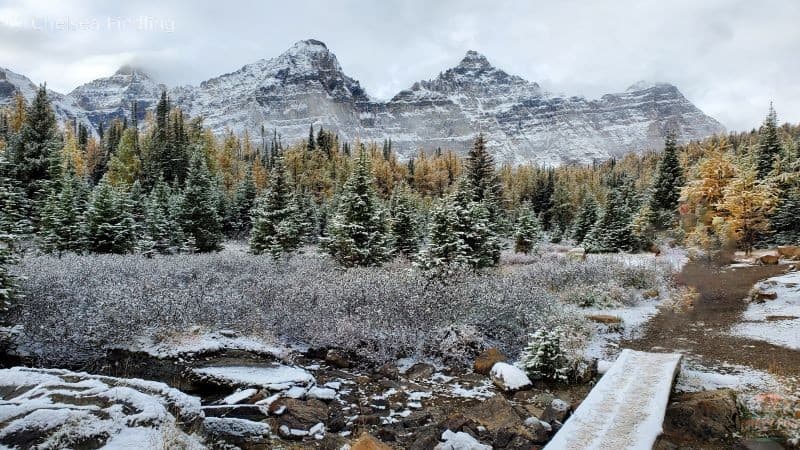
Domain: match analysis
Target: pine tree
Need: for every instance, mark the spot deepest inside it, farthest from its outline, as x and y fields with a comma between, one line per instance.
x=586, y=219
x=63, y=223
x=243, y=202
x=35, y=154
x=769, y=144
x=13, y=223
x=111, y=228
x=358, y=233
x=612, y=232
x=199, y=214
x=544, y=356
x=667, y=186
x=785, y=221
x=404, y=222
x=528, y=231
x=276, y=226
x=311, y=143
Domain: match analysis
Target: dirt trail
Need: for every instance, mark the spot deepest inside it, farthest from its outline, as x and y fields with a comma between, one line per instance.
x=702, y=331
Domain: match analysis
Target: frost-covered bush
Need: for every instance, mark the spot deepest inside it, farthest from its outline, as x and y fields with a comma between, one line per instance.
x=75, y=306
x=603, y=295
x=546, y=357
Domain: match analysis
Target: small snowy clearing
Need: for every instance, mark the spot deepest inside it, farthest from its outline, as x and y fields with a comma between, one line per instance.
x=196, y=343
x=774, y=321
x=508, y=377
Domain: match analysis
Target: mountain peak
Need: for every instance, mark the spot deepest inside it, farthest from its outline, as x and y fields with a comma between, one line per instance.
x=307, y=47
x=474, y=60
x=129, y=69
x=642, y=85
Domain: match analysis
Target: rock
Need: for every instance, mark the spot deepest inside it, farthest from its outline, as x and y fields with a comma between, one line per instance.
x=228, y=333
x=540, y=430
x=577, y=254
x=460, y=441
x=386, y=435
x=235, y=431
x=487, y=359
x=367, y=442
x=508, y=377
x=769, y=260
x=557, y=411
x=789, y=251
x=337, y=358
x=248, y=412
x=707, y=415
x=367, y=419
x=757, y=444
x=417, y=419
x=324, y=394
x=426, y=439
x=300, y=414
x=420, y=371
x=389, y=371
x=495, y=413
x=760, y=296
x=606, y=319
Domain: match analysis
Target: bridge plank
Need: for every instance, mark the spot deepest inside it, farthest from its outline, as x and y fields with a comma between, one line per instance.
x=625, y=410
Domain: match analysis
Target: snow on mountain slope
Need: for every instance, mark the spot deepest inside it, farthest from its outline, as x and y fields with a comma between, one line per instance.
x=306, y=85
x=65, y=108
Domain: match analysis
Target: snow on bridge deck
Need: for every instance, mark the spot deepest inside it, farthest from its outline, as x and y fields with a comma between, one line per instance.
x=626, y=408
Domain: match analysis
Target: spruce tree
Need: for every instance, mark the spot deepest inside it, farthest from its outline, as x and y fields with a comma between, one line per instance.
x=612, y=232
x=159, y=228
x=111, y=228
x=243, y=202
x=528, y=231
x=785, y=221
x=358, y=233
x=404, y=222
x=13, y=222
x=666, y=186
x=199, y=214
x=769, y=144
x=447, y=251
x=35, y=153
x=585, y=220
x=62, y=226
x=276, y=226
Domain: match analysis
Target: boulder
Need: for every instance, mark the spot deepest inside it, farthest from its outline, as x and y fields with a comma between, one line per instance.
x=420, y=371
x=337, y=358
x=495, y=413
x=708, y=416
x=367, y=442
x=508, y=377
x=487, y=359
x=300, y=414
x=769, y=260
x=789, y=251
x=557, y=411
x=389, y=371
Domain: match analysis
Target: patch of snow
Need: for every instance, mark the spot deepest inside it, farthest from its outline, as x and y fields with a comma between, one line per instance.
x=512, y=378
x=774, y=321
x=274, y=377
x=321, y=393
x=239, y=396
x=190, y=344
x=460, y=441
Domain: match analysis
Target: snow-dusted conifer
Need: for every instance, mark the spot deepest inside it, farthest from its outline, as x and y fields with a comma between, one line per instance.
x=358, y=233
x=200, y=218
x=276, y=226
x=110, y=224
x=528, y=231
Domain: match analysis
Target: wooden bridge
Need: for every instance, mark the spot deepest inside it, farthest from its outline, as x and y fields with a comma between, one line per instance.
x=625, y=410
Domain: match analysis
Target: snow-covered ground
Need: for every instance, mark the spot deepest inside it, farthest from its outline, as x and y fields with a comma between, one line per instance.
x=775, y=321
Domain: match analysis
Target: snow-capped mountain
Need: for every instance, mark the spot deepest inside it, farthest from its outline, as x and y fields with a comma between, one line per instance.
x=306, y=85
x=65, y=108
x=107, y=98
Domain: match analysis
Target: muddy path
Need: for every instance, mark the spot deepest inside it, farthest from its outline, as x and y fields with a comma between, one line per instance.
x=702, y=331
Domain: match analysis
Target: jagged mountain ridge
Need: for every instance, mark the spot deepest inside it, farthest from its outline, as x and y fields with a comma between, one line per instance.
x=306, y=85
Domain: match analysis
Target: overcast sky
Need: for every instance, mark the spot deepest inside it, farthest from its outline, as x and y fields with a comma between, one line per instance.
x=730, y=57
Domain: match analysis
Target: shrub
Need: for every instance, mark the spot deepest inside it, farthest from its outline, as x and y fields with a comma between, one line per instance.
x=544, y=358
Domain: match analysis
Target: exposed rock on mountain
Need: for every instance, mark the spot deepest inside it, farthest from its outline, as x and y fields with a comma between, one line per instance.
x=306, y=85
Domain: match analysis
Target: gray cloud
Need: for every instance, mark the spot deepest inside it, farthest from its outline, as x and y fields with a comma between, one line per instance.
x=730, y=57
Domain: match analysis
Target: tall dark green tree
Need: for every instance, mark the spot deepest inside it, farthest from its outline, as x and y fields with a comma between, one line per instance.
x=666, y=186
x=613, y=231
x=35, y=152
x=62, y=226
x=586, y=219
x=358, y=233
x=199, y=215
x=785, y=221
x=405, y=221
x=110, y=224
x=528, y=230
x=769, y=144
x=243, y=202
x=276, y=224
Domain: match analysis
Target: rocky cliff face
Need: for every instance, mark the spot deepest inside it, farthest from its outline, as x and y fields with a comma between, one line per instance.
x=306, y=85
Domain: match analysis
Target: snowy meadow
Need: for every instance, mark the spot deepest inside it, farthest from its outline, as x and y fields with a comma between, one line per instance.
x=76, y=307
